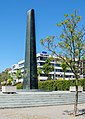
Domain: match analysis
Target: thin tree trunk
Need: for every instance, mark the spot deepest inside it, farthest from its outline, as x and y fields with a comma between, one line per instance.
x=76, y=98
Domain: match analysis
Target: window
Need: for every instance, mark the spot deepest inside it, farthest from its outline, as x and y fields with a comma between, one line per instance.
x=43, y=58
x=58, y=65
x=59, y=70
x=22, y=64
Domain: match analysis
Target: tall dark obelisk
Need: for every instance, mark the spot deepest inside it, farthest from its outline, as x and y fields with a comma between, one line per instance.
x=30, y=66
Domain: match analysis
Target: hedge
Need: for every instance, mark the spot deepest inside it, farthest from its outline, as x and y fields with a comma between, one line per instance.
x=54, y=85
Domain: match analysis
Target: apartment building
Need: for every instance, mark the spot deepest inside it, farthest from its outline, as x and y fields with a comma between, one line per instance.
x=41, y=58
x=57, y=73
x=14, y=68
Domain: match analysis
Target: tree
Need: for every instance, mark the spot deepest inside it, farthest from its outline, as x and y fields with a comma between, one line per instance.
x=71, y=44
x=4, y=75
x=39, y=71
x=19, y=74
x=47, y=67
x=64, y=67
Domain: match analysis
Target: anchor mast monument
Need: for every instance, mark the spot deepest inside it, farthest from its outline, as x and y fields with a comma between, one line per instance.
x=30, y=65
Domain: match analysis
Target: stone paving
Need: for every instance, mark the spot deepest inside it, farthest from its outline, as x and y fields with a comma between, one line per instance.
x=47, y=112
x=56, y=110
x=31, y=99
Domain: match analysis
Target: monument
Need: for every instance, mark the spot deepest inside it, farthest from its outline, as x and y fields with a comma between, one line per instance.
x=30, y=66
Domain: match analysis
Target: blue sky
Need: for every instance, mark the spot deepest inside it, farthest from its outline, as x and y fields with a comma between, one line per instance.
x=13, y=15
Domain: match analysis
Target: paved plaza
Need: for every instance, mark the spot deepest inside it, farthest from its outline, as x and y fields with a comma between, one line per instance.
x=40, y=105
x=47, y=112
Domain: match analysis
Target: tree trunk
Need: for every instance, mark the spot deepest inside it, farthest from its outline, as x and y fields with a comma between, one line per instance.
x=76, y=98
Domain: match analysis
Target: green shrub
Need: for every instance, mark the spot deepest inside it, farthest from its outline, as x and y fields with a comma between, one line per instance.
x=9, y=82
x=4, y=84
x=19, y=85
x=55, y=85
x=82, y=83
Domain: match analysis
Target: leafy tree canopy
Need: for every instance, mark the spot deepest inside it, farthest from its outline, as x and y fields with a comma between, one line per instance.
x=19, y=74
x=47, y=67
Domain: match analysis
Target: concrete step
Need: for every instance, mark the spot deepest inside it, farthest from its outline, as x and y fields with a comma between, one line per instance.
x=28, y=99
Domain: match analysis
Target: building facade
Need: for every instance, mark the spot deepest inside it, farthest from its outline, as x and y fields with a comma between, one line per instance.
x=57, y=73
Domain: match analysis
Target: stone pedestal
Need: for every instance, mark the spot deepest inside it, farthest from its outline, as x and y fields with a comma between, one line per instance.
x=73, y=88
x=8, y=89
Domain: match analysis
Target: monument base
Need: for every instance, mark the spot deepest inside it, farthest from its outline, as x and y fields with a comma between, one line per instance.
x=30, y=90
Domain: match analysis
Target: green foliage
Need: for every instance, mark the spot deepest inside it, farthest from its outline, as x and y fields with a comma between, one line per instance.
x=48, y=42
x=71, y=42
x=64, y=67
x=19, y=85
x=62, y=36
x=62, y=85
x=19, y=74
x=39, y=70
x=59, y=25
x=65, y=15
x=4, y=75
x=46, y=85
x=4, y=84
x=72, y=45
x=47, y=67
x=82, y=83
x=9, y=81
x=10, y=77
